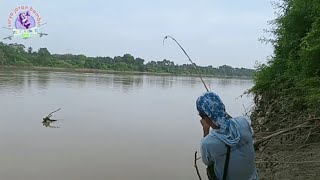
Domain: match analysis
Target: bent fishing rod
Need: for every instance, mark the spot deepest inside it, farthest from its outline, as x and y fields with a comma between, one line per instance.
x=194, y=64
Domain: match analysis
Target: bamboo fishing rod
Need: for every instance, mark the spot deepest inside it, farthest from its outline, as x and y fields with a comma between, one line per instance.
x=194, y=64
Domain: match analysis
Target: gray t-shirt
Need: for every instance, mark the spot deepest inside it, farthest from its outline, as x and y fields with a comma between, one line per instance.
x=242, y=156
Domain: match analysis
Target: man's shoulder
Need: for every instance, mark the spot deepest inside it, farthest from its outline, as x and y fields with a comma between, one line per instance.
x=211, y=141
x=243, y=121
x=242, y=118
x=244, y=124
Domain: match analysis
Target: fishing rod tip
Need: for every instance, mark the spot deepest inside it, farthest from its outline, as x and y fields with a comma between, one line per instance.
x=164, y=39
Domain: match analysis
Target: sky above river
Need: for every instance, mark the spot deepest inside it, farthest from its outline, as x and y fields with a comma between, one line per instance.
x=213, y=32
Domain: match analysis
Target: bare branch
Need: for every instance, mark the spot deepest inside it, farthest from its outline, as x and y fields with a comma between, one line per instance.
x=50, y=115
x=257, y=143
x=196, y=166
x=296, y=162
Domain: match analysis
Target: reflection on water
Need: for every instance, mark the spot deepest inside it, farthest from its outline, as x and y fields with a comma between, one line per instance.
x=115, y=126
x=42, y=80
x=16, y=81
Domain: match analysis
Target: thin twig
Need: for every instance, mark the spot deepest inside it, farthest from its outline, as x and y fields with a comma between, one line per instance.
x=307, y=137
x=313, y=119
x=245, y=110
x=196, y=166
x=294, y=162
x=266, y=146
x=244, y=93
x=50, y=114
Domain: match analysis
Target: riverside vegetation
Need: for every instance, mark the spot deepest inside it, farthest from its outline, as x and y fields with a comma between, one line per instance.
x=287, y=94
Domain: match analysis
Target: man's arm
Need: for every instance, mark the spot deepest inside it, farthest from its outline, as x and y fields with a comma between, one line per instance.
x=205, y=155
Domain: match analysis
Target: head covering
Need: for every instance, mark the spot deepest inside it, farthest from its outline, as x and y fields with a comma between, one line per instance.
x=211, y=105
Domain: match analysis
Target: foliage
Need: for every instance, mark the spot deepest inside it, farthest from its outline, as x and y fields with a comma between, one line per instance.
x=18, y=55
x=290, y=81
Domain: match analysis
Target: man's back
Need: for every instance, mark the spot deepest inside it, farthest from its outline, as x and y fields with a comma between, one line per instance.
x=242, y=155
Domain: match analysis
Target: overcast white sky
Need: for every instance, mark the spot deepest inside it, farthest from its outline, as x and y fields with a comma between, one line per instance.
x=214, y=32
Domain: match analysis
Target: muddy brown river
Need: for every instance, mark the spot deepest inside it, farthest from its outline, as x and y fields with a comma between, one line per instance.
x=110, y=126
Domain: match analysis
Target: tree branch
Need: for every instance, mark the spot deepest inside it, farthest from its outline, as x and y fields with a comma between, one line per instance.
x=195, y=164
x=47, y=118
x=257, y=143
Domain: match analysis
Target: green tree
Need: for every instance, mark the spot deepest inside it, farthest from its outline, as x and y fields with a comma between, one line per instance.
x=44, y=57
x=30, y=50
x=3, y=58
x=291, y=78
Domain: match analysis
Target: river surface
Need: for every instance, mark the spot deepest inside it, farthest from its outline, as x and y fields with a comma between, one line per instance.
x=110, y=126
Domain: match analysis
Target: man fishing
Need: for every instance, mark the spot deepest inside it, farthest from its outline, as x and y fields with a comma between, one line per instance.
x=227, y=149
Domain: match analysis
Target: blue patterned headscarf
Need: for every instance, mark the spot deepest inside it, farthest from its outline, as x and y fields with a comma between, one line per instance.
x=211, y=105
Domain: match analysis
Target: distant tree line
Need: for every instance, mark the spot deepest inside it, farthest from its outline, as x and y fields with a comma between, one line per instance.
x=19, y=55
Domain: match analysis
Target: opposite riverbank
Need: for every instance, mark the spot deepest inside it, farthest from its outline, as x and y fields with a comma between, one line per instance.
x=85, y=70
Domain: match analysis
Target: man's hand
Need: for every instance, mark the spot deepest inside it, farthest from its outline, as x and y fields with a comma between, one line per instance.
x=205, y=126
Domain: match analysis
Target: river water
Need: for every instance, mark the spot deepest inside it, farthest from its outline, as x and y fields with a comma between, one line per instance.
x=110, y=126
